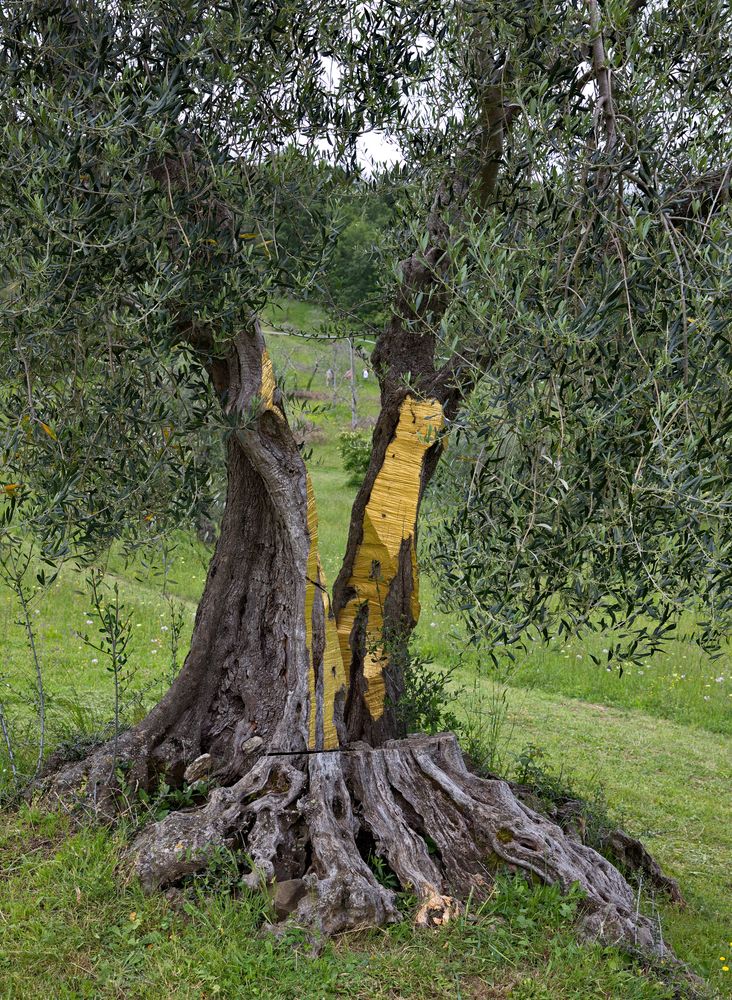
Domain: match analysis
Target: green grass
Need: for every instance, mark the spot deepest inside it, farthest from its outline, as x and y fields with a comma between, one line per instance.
x=682, y=683
x=658, y=743
x=71, y=927
x=79, y=688
x=305, y=316
x=668, y=783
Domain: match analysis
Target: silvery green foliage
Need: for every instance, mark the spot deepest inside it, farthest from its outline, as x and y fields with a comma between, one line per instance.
x=588, y=301
x=590, y=477
x=141, y=174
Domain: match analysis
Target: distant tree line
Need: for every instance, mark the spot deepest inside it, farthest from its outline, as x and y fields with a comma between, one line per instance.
x=346, y=217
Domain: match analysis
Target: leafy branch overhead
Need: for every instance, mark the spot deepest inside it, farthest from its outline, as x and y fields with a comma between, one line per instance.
x=591, y=484
x=141, y=200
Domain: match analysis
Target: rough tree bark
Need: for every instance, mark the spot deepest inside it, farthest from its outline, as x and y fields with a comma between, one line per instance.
x=286, y=703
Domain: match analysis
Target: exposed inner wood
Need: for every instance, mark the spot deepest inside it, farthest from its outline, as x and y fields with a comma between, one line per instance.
x=389, y=522
x=328, y=679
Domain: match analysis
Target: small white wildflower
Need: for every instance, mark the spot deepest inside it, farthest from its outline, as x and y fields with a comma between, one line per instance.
x=163, y=628
x=719, y=680
x=89, y=621
x=95, y=660
x=706, y=697
x=578, y=656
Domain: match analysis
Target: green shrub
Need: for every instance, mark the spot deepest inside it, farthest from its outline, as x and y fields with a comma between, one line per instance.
x=355, y=449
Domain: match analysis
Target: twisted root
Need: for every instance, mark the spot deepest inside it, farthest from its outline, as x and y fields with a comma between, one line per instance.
x=307, y=821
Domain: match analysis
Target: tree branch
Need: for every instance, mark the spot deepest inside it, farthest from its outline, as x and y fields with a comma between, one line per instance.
x=603, y=76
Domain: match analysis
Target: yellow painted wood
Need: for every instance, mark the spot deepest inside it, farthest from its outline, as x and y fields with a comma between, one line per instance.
x=390, y=519
x=267, y=390
x=334, y=675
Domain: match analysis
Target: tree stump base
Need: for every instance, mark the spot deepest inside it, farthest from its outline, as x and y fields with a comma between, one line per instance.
x=309, y=824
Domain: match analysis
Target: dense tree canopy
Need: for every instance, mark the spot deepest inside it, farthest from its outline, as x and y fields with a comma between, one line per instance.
x=591, y=478
x=122, y=241
x=141, y=204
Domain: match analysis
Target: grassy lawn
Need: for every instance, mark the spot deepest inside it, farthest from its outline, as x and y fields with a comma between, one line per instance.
x=73, y=924
x=682, y=683
x=669, y=784
x=71, y=927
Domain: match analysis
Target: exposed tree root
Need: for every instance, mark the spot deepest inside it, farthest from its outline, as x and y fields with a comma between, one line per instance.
x=308, y=822
x=92, y=781
x=629, y=854
x=633, y=856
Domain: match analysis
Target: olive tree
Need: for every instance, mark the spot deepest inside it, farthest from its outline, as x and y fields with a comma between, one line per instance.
x=140, y=226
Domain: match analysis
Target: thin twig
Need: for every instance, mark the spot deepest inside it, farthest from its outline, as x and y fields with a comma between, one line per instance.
x=8, y=744
x=18, y=582
x=682, y=286
x=603, y=76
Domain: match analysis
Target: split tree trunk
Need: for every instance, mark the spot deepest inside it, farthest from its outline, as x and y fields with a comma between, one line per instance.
x=287, y=706
x=272, y=666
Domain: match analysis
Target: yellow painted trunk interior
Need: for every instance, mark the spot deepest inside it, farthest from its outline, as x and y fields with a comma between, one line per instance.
x=267, y=390
x=334, y=674
x=389, y=520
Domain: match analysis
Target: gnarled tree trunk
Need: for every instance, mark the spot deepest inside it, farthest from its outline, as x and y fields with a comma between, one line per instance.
x=287, y=704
